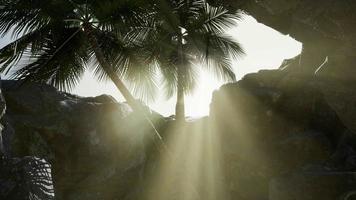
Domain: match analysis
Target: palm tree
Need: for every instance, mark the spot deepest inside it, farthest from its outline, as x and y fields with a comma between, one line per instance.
x=61, y=37
x=187, y=33
x=57, y=41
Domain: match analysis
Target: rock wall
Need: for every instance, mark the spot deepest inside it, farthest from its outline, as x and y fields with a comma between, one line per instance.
x=325, y=27
x=282, y=136
x=284, y=139
x=285, y=134
x=95, y=145
x=291, y=132
x=22, y=178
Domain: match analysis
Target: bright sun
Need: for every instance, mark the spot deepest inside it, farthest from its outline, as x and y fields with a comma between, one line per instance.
x=265, y=48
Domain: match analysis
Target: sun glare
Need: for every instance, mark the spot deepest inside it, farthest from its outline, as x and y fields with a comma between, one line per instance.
x=192, y=169
x=265, y=48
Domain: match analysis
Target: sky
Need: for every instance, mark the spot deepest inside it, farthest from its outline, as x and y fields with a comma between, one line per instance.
x=265, y=48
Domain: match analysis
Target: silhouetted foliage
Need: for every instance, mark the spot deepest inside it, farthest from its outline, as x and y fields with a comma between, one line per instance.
x=52, y=43
x=26, y=178
x=186, y=34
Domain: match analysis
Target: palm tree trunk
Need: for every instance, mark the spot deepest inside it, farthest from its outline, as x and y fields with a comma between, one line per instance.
x=180, y=106
x=109, y=70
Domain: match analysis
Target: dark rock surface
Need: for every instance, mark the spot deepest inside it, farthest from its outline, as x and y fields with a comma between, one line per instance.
x=25, y=178
x=95, y=144
x=302, y=117
x=325, y=27
x=281, y=131
x=285, y=134
x=314, y=185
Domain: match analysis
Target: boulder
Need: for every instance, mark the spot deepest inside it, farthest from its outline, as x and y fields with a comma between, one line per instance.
x=97, y=146
x=278, y=122
x=314, y=185
x=21, y=178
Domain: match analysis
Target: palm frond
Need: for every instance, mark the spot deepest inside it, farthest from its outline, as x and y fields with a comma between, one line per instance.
x=166, y=11
x=204, y=41
x=112, y=46
x=215, y=53
x=214, y=19
x=214, y=45
x=21, y=16
x=141, y=76
x=61, y=62
x=32, y=42
x=169, y=77
x=119, y=15
x=190, y=76
x=188, y=10
x=128, y=62
x=29, y=177
x=221, y=67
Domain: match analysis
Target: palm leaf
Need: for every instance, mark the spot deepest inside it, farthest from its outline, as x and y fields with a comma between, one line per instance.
x=215, y=52
x=204, y=41
x=218, y=19
x=190, y=76
x=61, y=62
x=22, y=16
x=128, y=62
x=32, y=42
x=169, y=77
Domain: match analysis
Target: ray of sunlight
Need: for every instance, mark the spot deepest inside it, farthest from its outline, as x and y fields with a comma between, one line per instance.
x=265, y=49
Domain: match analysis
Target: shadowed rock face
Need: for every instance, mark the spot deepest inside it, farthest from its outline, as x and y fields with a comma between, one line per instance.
x=328, y=23
x=325, y=27
x=95, y=144
x=22, y=178
x=309, y=186
x=294, y=119
x=283, y=133
x=25, y=178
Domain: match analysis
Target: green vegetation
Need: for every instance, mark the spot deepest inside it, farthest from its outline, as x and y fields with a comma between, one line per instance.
x=187, y=34
x=57, y=41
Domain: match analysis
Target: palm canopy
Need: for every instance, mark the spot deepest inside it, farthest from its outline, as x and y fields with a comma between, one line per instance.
x=52, y=45
x=204, y=40
x=188, y=33
x=58, y=39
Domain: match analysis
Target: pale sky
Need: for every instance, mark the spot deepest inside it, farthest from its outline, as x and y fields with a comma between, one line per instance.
x=265, y=49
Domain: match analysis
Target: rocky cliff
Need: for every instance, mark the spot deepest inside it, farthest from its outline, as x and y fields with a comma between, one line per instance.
x=95, y=145
x=325, y=27
x=296, y=124
x=285, y=137
x=286, y=134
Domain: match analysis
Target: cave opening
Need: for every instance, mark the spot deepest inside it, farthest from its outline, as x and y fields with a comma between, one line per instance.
x=265, y=48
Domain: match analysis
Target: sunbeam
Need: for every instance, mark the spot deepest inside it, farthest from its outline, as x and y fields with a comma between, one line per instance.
x=256, y=39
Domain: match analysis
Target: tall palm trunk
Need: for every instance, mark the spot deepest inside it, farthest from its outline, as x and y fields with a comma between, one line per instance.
x=180, y=106
x=109, y=70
